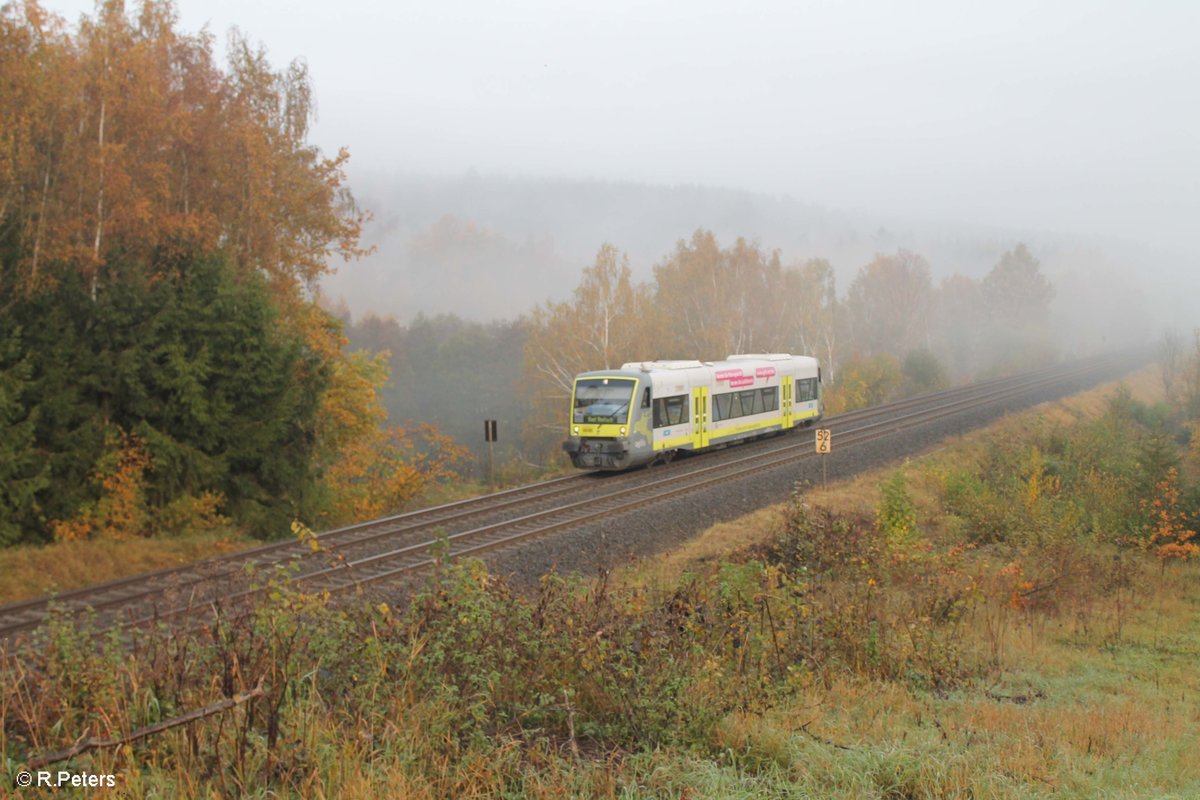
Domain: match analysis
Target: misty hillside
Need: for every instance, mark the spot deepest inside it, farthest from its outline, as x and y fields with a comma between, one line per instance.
x=493, y=247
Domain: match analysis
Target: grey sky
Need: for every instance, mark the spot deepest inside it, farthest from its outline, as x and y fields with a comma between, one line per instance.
x=1078, y=117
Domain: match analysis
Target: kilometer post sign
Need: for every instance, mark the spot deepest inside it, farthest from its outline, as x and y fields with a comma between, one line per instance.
x=824, y=447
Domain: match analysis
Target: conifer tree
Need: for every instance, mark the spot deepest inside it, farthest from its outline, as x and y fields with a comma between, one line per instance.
x=193, y=362
x=22, y=472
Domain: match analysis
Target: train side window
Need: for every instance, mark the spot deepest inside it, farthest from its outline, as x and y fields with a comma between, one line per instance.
x=677, y=409
x=646, y=398
x=722, y=406
x=806, y=390
x=670, y=410
x=749, y=403
x=745, y=403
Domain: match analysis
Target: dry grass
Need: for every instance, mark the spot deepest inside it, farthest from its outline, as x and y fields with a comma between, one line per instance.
x=1067, y=715
x=712, y=545
x=1073, y=706
x=861, y=493
x=28, y=571
x=1091, y=694
x=31, y=571
x=1097, y=698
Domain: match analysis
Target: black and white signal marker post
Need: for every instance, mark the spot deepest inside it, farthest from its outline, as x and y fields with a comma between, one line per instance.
x=489, y=436
x=824, y=447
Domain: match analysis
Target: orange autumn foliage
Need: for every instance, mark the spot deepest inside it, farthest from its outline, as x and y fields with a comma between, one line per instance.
x=127, y=136
x=367, y=468
x=1170, y=531
x=122, y=512
x=381, y=473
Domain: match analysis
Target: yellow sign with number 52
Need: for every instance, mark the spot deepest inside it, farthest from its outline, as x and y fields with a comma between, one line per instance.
x=824, y=441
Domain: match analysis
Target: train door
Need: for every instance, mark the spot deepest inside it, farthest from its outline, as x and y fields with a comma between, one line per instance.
x=700, y=417
x=785, y=387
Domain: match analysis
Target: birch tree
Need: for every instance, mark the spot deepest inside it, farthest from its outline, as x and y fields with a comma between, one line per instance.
x=126, y=137
x=1016, y=297
x=609, y=321
x=888, y=304
x=720, y=301
x=811, y=290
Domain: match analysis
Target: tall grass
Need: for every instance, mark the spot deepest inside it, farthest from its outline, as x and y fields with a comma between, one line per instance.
x=992, y=627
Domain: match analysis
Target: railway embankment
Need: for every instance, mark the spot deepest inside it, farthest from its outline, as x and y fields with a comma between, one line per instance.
x=1013, y=613
x=890, y=434
x=582, y=522
x=1007, y=614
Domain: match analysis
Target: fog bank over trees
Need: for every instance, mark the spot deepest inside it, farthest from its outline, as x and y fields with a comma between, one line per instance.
x=492, y=247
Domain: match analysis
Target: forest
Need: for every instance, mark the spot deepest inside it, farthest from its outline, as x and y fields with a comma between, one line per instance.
x=163, y=364
x=169, y=364
x=1010, y=613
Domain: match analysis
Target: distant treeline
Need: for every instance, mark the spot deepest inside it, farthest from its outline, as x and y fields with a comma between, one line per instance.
x=893, y=331
x=452, y=373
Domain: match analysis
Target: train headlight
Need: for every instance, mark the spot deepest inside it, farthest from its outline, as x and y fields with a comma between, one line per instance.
x=622, y=431
x=575, y=430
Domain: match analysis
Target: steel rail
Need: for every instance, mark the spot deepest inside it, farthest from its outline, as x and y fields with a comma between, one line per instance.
x=405, y=561
x=230, y=563
x=531, y=493
x=495, y=536
x=127, y=590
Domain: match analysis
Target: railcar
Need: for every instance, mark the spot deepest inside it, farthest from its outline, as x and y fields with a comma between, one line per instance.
x=652, y=410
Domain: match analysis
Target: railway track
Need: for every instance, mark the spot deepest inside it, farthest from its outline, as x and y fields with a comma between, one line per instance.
x=394, y=548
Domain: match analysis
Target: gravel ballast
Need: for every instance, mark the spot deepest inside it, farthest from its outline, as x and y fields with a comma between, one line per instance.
x=591, y=549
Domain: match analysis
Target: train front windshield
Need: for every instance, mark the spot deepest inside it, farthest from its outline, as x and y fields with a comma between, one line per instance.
x=603, y=401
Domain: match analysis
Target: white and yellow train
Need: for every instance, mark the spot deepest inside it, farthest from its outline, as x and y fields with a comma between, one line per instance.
x=651, y=410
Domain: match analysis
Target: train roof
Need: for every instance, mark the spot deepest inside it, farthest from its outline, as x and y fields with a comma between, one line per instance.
x=623, y=372
x=762, y=357
x=652, y=366
x=647, y=366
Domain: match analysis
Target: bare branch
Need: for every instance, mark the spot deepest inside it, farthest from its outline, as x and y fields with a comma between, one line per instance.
x=93, y=743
